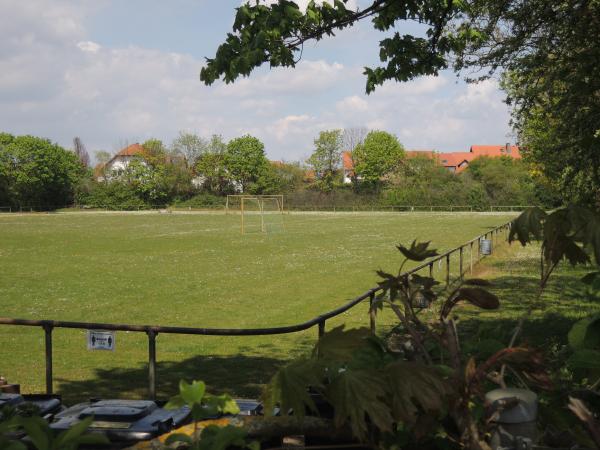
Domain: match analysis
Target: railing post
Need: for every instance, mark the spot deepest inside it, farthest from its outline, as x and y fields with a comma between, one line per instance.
x=372, y=312
x=471, y=259
x=448, y=269
x=460, y=262
x=48, y=340
x=152, y=363
x=321, y=328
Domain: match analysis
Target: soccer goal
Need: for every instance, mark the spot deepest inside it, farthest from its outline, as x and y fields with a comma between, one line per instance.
x=259, y=213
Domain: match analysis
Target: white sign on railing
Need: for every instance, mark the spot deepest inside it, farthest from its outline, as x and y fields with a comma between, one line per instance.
x=101, y=340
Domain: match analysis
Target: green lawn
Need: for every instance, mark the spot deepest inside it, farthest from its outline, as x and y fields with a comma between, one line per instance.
x=191, y=270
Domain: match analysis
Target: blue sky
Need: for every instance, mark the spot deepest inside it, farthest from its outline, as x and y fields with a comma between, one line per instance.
x=117, y=72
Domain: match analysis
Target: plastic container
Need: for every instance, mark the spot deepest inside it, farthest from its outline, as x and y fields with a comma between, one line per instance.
x=123, y=421
x=485, y=247
x=39, y=404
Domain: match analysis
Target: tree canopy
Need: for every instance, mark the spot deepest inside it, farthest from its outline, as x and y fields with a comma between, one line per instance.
x=325, y=159
x=547, y=52
x=34, y=172
x=377, y=156
x=246, y=162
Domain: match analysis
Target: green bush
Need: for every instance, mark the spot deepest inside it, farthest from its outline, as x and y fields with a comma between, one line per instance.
x=202, y=200
x=112, y=195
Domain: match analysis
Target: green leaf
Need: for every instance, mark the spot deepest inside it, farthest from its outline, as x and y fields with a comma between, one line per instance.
x=585, y=334
x=289, y=387
x=426, y=282
x=417, y=251
x=341, y=345
x=590, y=278
x=564, y=247
x=224, y=404
x=35, y=428
x=416, y=388
x=175, y=402
x=585, y=359
x=11, y=445
x=192, y=393
x=76, y=431
x=356, y=395
x=92, y=439
x=528, y=226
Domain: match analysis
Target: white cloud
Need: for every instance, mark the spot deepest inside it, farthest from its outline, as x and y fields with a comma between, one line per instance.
x=59, y=82
x=353, y=103
x=89, y=46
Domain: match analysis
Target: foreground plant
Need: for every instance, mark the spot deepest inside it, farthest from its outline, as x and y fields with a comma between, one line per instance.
x=41, y=436
x=205, y=406
x=570, y=234
x=414, y=387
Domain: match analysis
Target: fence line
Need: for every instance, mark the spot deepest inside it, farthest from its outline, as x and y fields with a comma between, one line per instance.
x=289, y=207
x=496, y=235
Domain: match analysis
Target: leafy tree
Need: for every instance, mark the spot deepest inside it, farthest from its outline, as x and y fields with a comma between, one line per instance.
x=246, y=162
x=423, y=181
x=325, y=160
x=377, y=156
x=210, y=166
x=506, y=180
x=276, y=34
x=36, y=172
x=156, y=152
x=289, y=175
x=547, y=51
x=190, y=146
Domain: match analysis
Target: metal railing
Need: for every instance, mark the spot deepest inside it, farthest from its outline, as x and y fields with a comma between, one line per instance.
x=289, y=207
x=496, y=235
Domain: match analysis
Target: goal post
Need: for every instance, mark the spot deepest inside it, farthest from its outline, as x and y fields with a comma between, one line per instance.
x=258, y=213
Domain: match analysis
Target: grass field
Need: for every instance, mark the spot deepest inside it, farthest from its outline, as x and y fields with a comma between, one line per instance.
x=191, y=270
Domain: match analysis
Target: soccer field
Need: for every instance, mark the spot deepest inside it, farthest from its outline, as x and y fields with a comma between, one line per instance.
x=191, y=270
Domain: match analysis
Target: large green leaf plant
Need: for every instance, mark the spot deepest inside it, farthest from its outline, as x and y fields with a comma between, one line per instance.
x=416, y=386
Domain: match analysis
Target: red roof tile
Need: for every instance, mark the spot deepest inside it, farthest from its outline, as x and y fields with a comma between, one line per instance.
x=132, y=150
x=496, y=150
x=416, y=153
x=347, y=162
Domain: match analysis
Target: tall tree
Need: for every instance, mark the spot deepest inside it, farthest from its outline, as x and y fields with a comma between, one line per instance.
x=190, y=146
x=246, y=162
x=40, y=173
x=325, y=159
x=377, y=156
x=81, y=152
x=211, y=166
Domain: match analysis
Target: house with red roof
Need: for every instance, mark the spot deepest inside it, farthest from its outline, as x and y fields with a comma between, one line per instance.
x=115, y=166
x=455, y=162
x=347, y=167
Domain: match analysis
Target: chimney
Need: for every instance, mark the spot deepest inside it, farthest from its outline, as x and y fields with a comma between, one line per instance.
x=508, y=147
